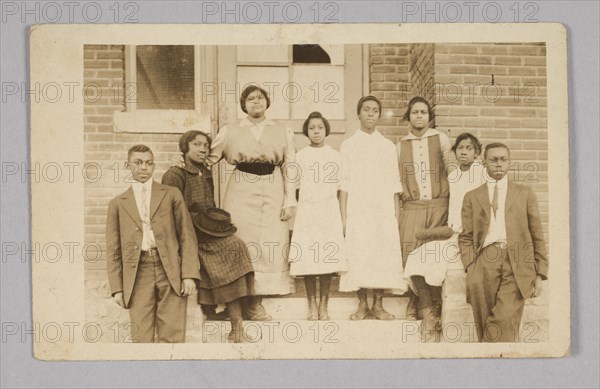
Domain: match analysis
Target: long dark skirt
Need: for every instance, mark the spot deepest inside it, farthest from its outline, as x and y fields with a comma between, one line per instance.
x=420, y=215
x=243, y=286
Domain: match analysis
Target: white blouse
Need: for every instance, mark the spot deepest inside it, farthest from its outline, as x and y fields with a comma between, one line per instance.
x=461, y=183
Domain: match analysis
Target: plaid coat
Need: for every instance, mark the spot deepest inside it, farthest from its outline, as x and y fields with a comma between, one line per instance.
x=222, y=260
x=195, y=184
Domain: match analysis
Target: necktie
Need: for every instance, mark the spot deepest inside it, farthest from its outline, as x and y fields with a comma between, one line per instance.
x=145, y=213
x=495, y=200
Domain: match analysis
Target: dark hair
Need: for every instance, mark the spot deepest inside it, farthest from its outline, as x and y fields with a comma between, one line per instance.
x=415, y=100
x=364, y=99
x=250, y=89
x=186, y=138
x=139, y=149
x=495, y=145
x=467, y=136
x=315, y=115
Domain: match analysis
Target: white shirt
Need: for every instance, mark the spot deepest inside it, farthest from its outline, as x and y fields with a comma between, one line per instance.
x=460, y=183
x=369, y=165
x=319, y=169
x=420, y=151
x=497, y=229
x=148, y=240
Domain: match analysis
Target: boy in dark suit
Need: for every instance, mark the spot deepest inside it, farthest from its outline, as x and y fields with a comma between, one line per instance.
x=152, y=253
x=502, y=249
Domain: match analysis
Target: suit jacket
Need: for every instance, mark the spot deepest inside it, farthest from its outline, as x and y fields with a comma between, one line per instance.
x=525, y=238
x=173, y=230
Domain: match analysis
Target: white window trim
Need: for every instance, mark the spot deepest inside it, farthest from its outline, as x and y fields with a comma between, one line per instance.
x=168, y=121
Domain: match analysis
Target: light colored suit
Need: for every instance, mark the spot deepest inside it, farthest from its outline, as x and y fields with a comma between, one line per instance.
x=498, y=280
x=177, y=247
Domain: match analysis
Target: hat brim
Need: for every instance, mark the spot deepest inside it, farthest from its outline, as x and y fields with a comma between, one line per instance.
x=219, y=234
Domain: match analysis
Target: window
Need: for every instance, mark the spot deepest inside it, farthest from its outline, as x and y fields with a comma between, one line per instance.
x=165, y=77
x=163, y=89
x=310, y=54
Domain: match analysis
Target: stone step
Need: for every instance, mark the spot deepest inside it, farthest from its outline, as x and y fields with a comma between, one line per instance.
x=334, y=288
x=296, y=308
x=321, y=333
x=340, y=308
x=289, y=324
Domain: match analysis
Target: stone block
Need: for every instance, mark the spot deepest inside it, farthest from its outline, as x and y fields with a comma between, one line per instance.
x=454, y=284
x=459, y=319
x=512, y=60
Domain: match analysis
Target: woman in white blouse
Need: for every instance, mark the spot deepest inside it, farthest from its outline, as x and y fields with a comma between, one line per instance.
x=430, y=260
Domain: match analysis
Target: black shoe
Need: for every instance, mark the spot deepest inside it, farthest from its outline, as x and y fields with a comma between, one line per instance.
x=218, y=316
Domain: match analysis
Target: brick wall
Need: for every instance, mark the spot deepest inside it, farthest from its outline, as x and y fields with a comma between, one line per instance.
x=422, y=71
x=511, y=110
x=389, y=70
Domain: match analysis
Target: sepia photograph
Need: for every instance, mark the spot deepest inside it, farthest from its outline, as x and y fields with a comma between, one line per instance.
x=301, y=192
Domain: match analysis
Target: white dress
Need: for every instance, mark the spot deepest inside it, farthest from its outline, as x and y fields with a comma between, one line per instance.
x=317, y=245
x=371, y=178
x=431, y=259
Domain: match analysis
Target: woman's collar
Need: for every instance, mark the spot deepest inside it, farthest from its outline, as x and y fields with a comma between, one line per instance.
x=245, y=122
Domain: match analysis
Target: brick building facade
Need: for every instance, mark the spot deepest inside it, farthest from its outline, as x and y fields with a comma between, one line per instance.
x=495, y=91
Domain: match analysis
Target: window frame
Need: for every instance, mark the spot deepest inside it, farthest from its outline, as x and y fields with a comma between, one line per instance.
x=354, y=57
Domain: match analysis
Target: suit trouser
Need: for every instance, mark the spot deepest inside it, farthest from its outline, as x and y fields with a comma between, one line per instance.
x=495, y=296
x=154, y=307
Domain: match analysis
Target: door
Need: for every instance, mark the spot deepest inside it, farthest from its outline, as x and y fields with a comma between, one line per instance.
x=299, y=79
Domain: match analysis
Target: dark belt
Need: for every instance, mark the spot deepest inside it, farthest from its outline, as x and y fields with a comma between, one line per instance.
x=151, y=252
x=257, y=168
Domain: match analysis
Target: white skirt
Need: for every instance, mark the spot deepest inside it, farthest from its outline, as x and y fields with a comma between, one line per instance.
x=374, y=253
x=317, y=245
x=431, y=260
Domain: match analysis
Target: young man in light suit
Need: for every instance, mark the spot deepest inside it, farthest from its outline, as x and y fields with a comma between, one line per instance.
x=152, y=258
x=502, y=249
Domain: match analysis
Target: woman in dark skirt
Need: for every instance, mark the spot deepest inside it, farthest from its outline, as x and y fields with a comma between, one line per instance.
x=226, y=274
x=194, y=180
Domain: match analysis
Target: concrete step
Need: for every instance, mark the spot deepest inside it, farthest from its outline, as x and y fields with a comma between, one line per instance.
x=290, y=326
x=296, y=308
x=340, y=308
x=335, y=286
x=333, y=332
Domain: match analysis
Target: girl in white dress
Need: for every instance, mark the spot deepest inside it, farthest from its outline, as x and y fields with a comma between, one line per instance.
x=317, y=246
x=370, y=204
